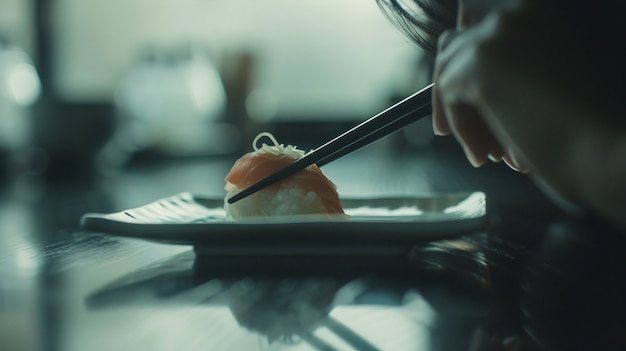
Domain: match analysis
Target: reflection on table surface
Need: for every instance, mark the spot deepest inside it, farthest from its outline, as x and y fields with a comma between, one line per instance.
x=531, y=281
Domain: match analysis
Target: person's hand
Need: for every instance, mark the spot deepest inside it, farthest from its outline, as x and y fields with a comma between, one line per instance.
x=528, y=84
x=462, y=74
x=500, y=91
x=461, y=110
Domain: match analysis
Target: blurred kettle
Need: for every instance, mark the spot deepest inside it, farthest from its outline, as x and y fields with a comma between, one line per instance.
x=173, y=103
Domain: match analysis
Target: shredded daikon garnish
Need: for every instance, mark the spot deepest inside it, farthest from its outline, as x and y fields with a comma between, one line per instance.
x=277, y=149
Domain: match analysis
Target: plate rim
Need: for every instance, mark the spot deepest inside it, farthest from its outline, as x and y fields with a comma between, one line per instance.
x=229, y=233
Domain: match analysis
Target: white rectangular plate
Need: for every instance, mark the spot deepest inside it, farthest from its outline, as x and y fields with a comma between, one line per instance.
x=381, y=225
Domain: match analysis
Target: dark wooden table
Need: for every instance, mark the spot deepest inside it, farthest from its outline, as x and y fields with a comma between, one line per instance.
x=530, y=278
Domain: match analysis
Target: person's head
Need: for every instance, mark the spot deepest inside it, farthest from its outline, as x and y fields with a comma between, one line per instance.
x=422, y=21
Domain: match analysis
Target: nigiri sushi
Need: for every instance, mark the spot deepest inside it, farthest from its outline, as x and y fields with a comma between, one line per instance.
x=307, y=192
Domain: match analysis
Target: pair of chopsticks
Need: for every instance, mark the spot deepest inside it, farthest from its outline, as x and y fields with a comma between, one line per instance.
x=409, y=110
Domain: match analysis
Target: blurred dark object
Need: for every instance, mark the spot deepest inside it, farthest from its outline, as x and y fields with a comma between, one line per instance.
x=238, y=70
x=67, y=139
x=4, y=166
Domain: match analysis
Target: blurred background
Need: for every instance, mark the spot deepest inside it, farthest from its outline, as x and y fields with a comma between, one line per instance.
x=148, y=98
x=106, y=81
x=92, y=90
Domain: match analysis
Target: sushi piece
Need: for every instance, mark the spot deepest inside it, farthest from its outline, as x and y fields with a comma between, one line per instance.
x=307, y=192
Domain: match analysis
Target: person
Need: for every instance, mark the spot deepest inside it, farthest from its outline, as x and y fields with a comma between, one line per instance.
x=537, y=84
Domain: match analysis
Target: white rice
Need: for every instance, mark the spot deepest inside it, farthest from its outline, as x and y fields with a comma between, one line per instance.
x=272, y=203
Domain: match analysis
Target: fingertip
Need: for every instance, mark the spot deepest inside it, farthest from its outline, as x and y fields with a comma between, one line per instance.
x=477, y=163
x=496, y=153
x=437, y=131
x=515, y=165
x=440, y=125
x=510, y=163
x=475, y=160
x=494, y=159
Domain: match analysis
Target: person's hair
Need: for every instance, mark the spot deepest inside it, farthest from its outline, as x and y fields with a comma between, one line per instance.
x=422, y=21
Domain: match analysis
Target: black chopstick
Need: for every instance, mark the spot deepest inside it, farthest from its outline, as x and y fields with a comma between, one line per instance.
x=386, y=130
x=409, y=110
